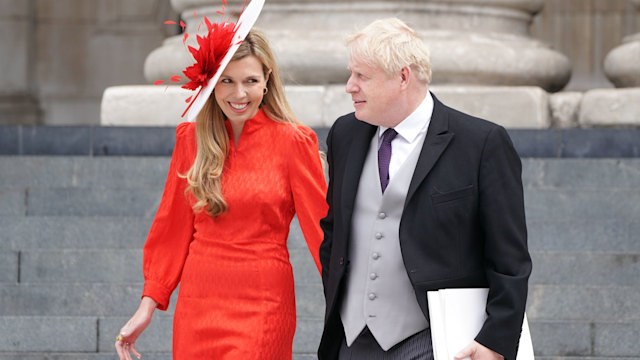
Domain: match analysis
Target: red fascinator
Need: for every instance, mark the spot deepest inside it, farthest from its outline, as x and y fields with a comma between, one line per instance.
x=215, y=50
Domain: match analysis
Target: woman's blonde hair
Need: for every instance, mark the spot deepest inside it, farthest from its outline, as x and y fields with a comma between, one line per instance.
x=391, y=45
x=204, y=176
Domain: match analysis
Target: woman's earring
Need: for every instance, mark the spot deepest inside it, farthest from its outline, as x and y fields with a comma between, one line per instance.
x=265, y=91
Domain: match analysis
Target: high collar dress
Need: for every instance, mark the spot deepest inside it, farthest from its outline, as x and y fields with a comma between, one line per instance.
x=236, y=297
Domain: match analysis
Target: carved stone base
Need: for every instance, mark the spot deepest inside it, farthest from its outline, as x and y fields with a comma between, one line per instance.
x=320, y=106
x=611, y=107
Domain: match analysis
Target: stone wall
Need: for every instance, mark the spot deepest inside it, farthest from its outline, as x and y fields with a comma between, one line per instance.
x=58, y=56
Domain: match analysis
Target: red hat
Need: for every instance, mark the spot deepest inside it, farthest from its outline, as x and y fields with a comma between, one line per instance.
x=215, y=50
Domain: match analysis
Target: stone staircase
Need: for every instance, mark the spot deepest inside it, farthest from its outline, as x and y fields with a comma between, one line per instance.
x=72, y=229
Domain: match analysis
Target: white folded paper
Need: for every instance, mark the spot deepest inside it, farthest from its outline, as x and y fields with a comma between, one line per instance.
x=456, y=317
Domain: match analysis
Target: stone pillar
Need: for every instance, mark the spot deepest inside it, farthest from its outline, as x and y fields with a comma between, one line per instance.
x=481, y=50
x=17, y=103
x=620, y=106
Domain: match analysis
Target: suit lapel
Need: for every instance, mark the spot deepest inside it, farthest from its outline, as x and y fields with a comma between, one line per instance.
x=437, y=139
x=360, y=141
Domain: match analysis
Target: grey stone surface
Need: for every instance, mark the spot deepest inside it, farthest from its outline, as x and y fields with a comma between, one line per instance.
x=604, y=143
x=537, y=143
x=94, y=202
x=621, y=64
x=609, y=235
x=81, y=266
x=583, y=303
x=520, y=107
x=307, y=336
x=44, y=140
x=9, y=266
x=578, y=174
x=126, y=140
x=309, y=300
x=60, y=299
x=55, y=172
x=12, y=202
x=71, y=232
x=565, y=107
x=617, y=339
x=611, y=107
x=561, y=338
x=47, y=333
x=602, y=204
x=9, y=140
x=586, y=268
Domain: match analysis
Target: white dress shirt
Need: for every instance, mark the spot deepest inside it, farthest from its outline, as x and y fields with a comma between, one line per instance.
x=410, y=131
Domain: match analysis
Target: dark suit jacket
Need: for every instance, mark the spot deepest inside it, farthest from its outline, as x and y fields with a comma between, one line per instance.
x=463, y=223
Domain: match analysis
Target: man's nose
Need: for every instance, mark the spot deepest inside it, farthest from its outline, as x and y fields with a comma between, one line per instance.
x=351, y=86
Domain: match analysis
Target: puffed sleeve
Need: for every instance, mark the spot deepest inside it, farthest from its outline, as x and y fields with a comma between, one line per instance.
x=309, y=188
x=168, y=241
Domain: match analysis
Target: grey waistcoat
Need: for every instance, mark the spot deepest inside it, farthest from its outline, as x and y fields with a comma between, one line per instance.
x=378, y=292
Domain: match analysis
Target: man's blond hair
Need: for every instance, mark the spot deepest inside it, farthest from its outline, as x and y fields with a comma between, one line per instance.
x=391, y=45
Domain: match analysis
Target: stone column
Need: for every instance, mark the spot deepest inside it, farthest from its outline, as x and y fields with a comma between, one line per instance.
x=481, y=50
x=17, y=102
x=619, y=106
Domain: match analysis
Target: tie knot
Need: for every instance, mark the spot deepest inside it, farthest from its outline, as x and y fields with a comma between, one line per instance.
x=389, y=135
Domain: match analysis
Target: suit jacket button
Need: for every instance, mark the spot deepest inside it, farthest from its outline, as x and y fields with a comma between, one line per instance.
x=341, y=260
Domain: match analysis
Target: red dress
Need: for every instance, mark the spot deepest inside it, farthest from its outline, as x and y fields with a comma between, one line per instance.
x=236, y=298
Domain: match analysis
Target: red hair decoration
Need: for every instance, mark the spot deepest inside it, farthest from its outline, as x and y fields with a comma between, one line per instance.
x=213, y=47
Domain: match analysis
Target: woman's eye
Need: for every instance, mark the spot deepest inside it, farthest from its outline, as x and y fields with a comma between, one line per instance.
x=252, y=81
x=226, y=81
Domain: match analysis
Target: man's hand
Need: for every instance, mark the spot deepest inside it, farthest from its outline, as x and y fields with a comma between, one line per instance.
x=476, y=351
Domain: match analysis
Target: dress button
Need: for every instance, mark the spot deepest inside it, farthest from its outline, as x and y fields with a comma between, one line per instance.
x=382, y=215
x=373, y=276
x=372, y=296
x=375, y=256
x=379, y=236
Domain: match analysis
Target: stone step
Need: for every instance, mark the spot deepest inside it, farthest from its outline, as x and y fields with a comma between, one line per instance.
x=108, y=266
x=109, y=299
x=123, y=172
x=27, y=335
x=73, y=232
x=594, y=205
x=540, y=203
x=599, y=235
x=585, y=339
x=581, y=173
x=595, y=303
x=82, y=171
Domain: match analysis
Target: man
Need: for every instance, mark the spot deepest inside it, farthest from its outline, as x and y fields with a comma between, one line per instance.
x=421, y=197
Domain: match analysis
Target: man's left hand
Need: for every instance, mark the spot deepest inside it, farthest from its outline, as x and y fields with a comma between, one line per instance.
x=476, y=351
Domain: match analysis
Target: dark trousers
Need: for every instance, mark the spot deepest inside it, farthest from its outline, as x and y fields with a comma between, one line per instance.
x=365, y=347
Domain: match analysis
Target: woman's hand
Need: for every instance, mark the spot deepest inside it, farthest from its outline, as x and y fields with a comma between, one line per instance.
x=126, y=340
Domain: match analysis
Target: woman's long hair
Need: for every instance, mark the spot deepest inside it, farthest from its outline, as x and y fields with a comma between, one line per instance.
x=204, y=176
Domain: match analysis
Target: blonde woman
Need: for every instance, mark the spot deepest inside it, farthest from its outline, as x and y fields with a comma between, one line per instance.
x=237, y=177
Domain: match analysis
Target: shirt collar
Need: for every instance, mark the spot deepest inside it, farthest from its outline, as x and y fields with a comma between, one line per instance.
x=414, y=124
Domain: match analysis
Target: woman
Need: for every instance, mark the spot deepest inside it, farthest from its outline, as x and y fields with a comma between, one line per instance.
x=236, y=179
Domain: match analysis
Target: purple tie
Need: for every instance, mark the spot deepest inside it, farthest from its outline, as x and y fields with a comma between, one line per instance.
x=384, y=157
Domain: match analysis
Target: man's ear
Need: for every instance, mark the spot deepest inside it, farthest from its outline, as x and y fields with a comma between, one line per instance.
x=405, y=76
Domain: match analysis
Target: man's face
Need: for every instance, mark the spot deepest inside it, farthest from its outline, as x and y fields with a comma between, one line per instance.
x=375, y=95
